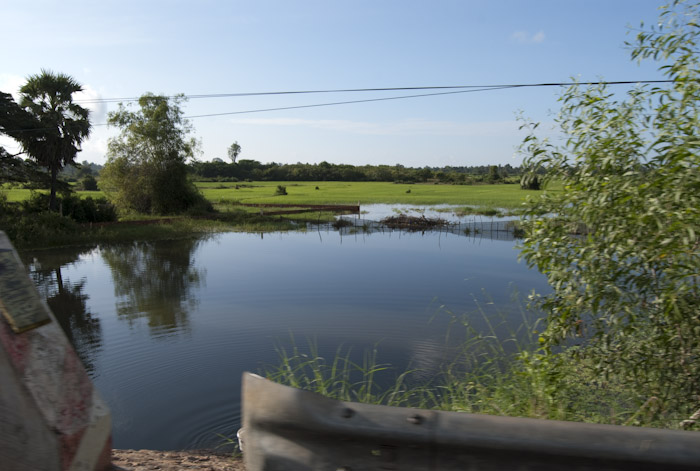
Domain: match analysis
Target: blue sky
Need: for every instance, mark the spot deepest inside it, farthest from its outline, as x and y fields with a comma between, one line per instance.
x=126, y=48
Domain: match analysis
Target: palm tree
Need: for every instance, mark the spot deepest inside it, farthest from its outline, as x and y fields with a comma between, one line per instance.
x=48, y=97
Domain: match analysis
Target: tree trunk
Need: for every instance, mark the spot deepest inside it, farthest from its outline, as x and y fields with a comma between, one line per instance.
x=59, y=280
x=52, y=195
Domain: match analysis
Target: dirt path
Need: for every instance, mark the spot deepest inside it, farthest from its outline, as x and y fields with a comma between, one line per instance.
x=147, y=460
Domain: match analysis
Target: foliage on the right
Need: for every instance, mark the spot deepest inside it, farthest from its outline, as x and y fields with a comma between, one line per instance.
x=620, y=243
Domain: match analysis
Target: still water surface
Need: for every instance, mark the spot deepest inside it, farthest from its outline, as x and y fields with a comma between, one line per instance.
x=166, y=328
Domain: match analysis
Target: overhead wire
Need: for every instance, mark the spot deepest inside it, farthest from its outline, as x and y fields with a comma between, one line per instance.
x=454, y=89
x=344, y=102
x=381, y=89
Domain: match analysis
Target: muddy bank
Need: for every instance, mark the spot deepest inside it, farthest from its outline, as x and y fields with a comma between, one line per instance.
x=203, y=460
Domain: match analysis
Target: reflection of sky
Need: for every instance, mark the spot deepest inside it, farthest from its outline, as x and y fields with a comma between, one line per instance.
x=377, y=212
x=356, y=291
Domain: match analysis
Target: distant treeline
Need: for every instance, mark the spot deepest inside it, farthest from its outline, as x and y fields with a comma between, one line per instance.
x=72, y=173
x=242, y=170
x=219, y=170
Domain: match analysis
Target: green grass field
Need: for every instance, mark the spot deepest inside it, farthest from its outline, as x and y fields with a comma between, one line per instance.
x=495, y=196
x=492, y=196
x=15, y=195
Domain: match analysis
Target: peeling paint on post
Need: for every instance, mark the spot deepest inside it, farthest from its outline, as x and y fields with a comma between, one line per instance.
x=51, y=416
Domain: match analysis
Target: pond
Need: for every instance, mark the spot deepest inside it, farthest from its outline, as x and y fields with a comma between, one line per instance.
x=166, y=328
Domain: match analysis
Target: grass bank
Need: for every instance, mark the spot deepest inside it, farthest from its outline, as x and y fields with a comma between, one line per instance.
x=51, y=230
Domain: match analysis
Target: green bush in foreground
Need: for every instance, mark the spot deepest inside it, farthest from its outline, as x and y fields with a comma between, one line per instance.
x=25, y=227
x=621, y=250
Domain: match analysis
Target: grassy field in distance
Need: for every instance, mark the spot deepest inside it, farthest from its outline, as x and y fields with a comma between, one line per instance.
x=15, y=195
x=508, y=196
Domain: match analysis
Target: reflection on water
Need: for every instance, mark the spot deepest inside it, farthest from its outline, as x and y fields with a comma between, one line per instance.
x=450, y=212
x=68, y=301
x=83, y=330
x=155, y=281
x=166, y=328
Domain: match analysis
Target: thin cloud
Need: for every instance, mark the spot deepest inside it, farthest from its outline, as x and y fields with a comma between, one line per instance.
x=98, y=109
x=9, y=144
x=524, y=37
x=94, y=149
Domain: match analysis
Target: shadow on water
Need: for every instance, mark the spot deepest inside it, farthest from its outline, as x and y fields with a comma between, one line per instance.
x=156, y=281
x=67, y=301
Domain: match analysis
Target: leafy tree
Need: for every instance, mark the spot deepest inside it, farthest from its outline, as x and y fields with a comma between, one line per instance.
x=15, y=122
x=14, y=169
x=233, y=151
x=62, y=123
x=84, y=170
x=621, y=249
x=146, y=168
x=494, y=175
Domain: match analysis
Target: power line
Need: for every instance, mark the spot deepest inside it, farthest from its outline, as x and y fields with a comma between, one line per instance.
x=455, y=89
x=345, y=102
x=461, y=89
x=383, y=89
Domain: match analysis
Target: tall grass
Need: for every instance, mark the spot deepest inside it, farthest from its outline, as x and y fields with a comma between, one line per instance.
x=340, y=378
x=497, y=369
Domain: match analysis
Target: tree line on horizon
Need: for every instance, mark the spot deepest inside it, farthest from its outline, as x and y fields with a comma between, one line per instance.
x=219, y=170
x=246, y=169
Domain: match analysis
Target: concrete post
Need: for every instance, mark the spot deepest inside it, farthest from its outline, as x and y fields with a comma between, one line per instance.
x=51, y=416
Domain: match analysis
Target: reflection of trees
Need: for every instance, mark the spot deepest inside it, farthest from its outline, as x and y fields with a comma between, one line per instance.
x=83, y=330
x=155, y=280
x=67, y=301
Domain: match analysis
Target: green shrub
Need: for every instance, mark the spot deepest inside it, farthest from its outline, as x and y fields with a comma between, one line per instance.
x=88, y=209
x=36, y=203
x=24, y=228
x=201, y=207
x=80, y=210
x=88, y=183
x=621, y=247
